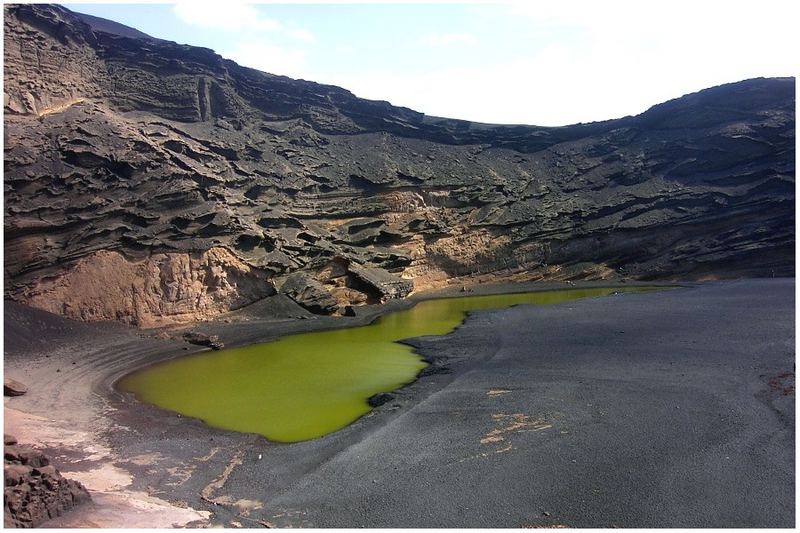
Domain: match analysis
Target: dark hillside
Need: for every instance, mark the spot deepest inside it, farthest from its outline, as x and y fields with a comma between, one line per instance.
x=153, y=182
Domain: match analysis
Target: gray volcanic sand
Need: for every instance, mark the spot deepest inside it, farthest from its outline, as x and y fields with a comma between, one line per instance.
x=673, y=408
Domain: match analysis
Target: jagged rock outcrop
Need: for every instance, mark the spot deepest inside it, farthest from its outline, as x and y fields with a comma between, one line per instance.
x=33, y=490
x=135, y=153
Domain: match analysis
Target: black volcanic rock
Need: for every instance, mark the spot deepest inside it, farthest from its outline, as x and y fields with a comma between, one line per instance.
x=34, y=491
x=381, y=283
x=376, y=400
x=123, y=144
x=309, y=293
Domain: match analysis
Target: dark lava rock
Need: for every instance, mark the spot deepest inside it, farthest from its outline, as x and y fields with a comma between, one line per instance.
x=201, y=339
x=119, y=143
x=379, y=399
x=9, y=439
x=380, y=282
x=309, y=293
x=12, y=387
x=433, y=369
x=34, y=490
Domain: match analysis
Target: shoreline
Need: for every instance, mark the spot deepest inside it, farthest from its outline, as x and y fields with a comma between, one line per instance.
x=143, y=348
x=365, y=315
x=120, y=423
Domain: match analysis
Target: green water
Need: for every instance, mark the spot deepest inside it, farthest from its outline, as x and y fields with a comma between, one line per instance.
x=307, y=385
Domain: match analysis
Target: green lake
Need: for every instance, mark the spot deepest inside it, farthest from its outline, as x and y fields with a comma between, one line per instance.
x=306, y=385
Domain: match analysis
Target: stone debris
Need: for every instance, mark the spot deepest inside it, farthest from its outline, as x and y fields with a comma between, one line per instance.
x=34, y=490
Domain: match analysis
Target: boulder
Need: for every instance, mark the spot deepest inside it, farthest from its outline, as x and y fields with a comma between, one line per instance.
x=25, y=455
x=12, y=387
x=14, y=474
x=201, y=339
x=380, y=283
x=310, y=293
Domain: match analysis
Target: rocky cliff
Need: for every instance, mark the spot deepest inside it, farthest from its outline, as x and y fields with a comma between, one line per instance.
x=153, y=182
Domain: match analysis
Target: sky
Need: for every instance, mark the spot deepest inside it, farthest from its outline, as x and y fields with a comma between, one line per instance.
x=548, y=63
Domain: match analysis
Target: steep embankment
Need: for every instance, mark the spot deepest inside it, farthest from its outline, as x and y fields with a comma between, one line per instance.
x=186, y=185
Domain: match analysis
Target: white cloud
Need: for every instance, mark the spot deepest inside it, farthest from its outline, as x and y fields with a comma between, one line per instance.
x=251, y=49
x=586, y=60
x=232, y=15
x=446, y=39
x=601, y=60
x=301, y=35
x=269, y=58
x=674, y=20
x=560, y=85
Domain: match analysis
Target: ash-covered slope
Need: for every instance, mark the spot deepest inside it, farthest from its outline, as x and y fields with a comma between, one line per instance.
x=154, y=182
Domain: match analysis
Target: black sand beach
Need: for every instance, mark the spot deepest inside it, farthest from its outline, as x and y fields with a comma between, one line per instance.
x=666, y=409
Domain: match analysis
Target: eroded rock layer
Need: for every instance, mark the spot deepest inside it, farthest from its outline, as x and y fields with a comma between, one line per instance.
x=177, y=185
x=162, y=288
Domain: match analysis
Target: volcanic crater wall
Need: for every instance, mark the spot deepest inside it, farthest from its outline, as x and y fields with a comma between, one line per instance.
x=155, y=183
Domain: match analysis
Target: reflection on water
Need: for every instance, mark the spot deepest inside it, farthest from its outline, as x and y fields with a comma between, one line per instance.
x=307, y=385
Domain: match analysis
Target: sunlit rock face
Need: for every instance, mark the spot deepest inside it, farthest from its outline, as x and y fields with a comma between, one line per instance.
x=122, y=151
